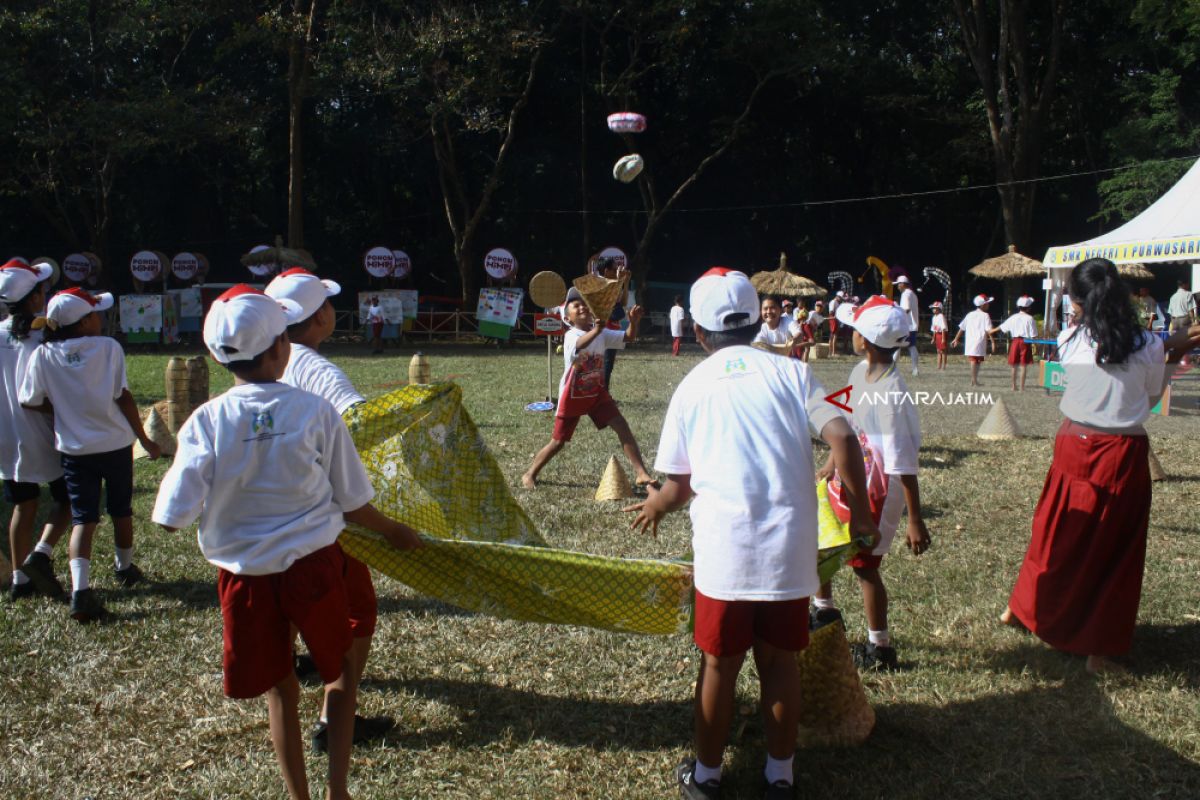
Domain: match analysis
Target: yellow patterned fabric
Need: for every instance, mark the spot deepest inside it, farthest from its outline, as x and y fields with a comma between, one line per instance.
x=432, y=470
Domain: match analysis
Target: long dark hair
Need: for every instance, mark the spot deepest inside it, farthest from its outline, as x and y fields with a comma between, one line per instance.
x=1108, y=314
x=22, y=315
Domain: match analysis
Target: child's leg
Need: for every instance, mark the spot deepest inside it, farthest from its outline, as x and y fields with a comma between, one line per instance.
x=58, y=522
x=974, y=373
x=118, y=481
x=779, y=681
x=716, y=686
x=20, y=532
x=283, y=712
x=341, y=696
x=630, y=446
x=875, y=604
x=80, y=552
x=1014, y=377
x=1024, y=370
x=529, y=479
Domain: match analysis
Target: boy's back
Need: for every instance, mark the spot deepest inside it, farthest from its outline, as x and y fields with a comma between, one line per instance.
x=81, y=377
x=754, y=516
x=269, y=469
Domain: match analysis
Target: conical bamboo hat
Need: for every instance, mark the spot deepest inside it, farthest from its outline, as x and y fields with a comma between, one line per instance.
x=614, y=485
x=601, y=294
x=1157, y=473
x=999, y=424
x=834, y=711
x=156, y=428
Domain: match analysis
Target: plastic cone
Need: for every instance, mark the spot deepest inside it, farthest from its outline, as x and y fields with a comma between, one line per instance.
x=614, y=485
x=999, y=424
x=157, y=430
x=601, y=294
x=834, y=711
x=1157, y=473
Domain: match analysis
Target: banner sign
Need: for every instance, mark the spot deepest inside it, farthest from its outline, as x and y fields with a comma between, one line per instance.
x=396, y=305
x=77, y=267
x=548, y=325
x=184, y=266
x=146, y=266
x=1054, y=379
x=500, y=264
x=261, y=270
x=403, y=264
x=1146, y=251
x=379, y=262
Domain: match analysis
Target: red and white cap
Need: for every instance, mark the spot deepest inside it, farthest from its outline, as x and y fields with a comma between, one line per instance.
x=900, y=280
x=720, y=294
x=1024, y=301
x=936, y=304
x=303, y=288
x=17, y=279
x=880, y=321
x=243, y=322
x=71, y=305
x=982, y=300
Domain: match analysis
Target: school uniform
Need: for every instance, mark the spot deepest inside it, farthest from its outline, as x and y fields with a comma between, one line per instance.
x=754, y=519
x=1080, y=583
x=83, y=378
x=27, y=454
x=1021, y=327
x=582, y=390
x=677, y=316
x=780, y=335
x=939, y=329
x=975, y=327
x=272, y=533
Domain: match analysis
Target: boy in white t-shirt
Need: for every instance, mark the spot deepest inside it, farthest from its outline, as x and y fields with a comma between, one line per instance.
x=978, y=327
x=273, y=532
x=677, y=316
x=79, y=376
x=912, y=309
x=1022, y=327
x=754, y=519
x=307, y=369
x=375, y=320
x=582, y=390
x=889, y=430
x=939, y=329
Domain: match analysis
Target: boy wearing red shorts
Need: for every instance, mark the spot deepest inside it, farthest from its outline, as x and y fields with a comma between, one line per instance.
x=754, y=520
x=1022, y=327
x=272, y=533
x=583, y=390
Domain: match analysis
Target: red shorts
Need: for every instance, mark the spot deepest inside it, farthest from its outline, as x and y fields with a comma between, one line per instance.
x=1020, y=352
x=360, y=597
x=975, y=359
x=260, y=610
x=863, y=560
x=729, y=627
x=833, y=326
x=939, y=341
x=603, y=412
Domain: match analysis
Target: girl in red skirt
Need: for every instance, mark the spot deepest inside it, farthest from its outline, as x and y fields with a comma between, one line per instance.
x=1081, y=581
x=939, y=328
x=1022, y=327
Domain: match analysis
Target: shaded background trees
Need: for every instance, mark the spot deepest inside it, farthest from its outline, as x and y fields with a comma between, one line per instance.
x=831, y=130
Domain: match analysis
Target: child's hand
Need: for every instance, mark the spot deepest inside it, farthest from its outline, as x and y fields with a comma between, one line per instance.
x=825, y=473
x=865, y=529
x=636, y=313
x=402, y=537
x=918, y=536
x=152, y=449
x=648, y=515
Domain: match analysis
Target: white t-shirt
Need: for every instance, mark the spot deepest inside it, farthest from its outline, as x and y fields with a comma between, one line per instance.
x=257, y=518
x=833, y=307
x=1181, y=303
x=754, y=516
x=778, y=336
x=975, y=327
x=309, y=370
x=1111, y=396
x=82, y=378
x=1020, y=326
x=908, y=302
x=677, y=317
x=27, y=451
x=888, y=418
x=816, y=319
x=588, y=361
x=938, y=323
x=374, y=315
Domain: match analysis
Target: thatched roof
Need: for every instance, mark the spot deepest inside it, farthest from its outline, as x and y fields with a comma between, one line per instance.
x=1010, y=266
x=283, y=256
x=782, y=283
x=1135, y=272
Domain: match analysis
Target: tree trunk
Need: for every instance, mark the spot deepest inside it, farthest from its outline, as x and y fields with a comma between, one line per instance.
x=299, y=71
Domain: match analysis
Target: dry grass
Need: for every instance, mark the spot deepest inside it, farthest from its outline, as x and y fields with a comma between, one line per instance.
x=488, y=708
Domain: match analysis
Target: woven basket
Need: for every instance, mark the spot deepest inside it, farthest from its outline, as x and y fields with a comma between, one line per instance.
x=601, y=294
x=834, y=711
x=999, y=424
x=614, y=485
x=547, y=289
x=155, y=422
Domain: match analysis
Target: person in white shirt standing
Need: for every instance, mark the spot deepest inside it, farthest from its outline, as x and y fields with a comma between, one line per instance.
x=79, y=376
x=310, y=325
x=678, y=315
x=939, y=329
x=375, y=320
x=272, y=474
x=912, y=307
x=977, y=326
x=1181, y=307
x=838, y=298
x=754, y=519
x=27, y=455
x=1022, y=327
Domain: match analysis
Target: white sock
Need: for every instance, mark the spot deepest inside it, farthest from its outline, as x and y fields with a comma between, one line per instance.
x=124, y=557
x=705, y=774
x=44, y=548
x=19, y=578
x=778, y=769
x=823, y=602
x=80, y=568
x=880, y=638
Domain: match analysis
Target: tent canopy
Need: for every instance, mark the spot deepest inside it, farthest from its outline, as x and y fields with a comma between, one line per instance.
x=1169, y=230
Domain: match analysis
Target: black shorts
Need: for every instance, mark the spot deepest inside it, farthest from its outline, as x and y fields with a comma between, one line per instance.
x=84, y=474
x=17, y=492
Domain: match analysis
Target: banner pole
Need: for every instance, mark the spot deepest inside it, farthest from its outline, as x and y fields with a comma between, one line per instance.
x=549, y=367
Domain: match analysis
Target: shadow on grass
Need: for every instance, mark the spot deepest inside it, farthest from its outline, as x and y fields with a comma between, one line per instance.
x=419, y=607
x=1167, y=650
x=937, y=457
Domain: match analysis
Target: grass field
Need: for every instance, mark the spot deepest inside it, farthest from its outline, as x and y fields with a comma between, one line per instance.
x=132, y=708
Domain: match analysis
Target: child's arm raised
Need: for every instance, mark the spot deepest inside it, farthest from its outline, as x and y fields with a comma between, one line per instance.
x=674, y=495
x=635, y=316
x=848, y=459
x=399, y=535
x=918, y=535
x=129, y=410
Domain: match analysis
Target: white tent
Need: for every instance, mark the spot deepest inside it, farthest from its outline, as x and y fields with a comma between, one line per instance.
x=1166, y=232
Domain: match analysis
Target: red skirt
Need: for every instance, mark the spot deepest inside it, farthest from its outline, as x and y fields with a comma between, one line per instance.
x=939, y=341
x=1020, y=352
x=1081, y=581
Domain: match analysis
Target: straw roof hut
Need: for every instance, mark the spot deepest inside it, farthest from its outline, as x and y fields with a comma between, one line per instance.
x=1135, y=272
x=1008, y=267
x=783, y=283
x=283, y=256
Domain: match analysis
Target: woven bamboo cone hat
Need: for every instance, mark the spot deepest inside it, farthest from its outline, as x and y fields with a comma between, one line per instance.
x=1157, y=473
x=601, y=294
x=999, y=424
x=834, y=711
x=156, y=428
x=614, y=485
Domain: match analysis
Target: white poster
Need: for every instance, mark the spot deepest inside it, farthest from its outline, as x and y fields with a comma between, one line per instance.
x=145, y=266
x=500, y=264
x=190, y=303
x=141, y=313
x=501, y=306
